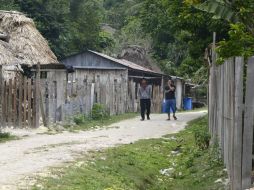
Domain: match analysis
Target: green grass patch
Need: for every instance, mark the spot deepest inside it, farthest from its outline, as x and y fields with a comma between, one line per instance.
x=175, y=162
x=86, y=123
x=6, y=137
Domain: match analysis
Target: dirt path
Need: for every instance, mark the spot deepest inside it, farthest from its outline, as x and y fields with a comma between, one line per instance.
x=36, y=152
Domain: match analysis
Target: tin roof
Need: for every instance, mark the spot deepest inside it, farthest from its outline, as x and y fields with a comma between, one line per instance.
x=125, y=63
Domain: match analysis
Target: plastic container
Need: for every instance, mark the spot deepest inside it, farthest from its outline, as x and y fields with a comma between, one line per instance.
x=187, y=103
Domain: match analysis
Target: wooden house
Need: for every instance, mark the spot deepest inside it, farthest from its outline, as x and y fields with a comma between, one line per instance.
x=99, y=78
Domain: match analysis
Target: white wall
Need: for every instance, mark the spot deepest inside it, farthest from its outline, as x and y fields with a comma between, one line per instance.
x=179, y=93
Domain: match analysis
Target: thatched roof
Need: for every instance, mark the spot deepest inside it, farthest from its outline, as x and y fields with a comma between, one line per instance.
x=25, y=44
x=138, y=55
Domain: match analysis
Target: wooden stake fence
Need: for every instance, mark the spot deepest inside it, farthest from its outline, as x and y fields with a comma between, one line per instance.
x=20, y=102
x=231, y=117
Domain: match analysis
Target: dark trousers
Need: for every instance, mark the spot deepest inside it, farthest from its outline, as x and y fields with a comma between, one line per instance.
x=145, y=106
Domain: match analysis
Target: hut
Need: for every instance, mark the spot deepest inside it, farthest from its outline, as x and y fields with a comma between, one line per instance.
x=109, y=81
x=28, y=67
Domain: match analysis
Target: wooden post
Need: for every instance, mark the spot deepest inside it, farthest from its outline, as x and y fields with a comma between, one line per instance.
x=20, y=101
x=15, y=103
x=25, y=101
x=248, y=127
x=37, y=98
x=238, y=118
x=10, y=103
x=1, y=98
x=29, y=97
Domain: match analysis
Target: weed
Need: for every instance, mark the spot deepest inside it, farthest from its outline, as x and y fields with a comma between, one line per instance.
x=145, y=165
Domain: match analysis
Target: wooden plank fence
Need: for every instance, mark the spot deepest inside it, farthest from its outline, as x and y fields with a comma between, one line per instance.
x=231, y=117
x=19, y=102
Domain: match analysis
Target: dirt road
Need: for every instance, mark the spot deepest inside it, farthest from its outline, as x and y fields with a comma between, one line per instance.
x=36, y=152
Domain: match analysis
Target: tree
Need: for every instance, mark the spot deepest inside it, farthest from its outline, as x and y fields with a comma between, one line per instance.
x=180, y=33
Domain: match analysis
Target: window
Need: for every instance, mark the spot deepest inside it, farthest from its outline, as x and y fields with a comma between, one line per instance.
x=43, y=74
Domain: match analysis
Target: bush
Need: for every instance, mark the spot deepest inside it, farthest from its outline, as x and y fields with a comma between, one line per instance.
x=202, y=137
x=4, y=135
x=79, y=119
x=99, y=112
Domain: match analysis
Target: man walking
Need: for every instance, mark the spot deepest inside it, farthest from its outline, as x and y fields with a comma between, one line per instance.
x=145, y=93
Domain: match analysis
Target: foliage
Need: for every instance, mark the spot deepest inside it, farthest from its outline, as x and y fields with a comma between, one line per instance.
x=70, y=26
x=6, y=137
x=180, y=33
x=241, y=33
x=99, y=112
x=79, y=119
x=172, y=162
x=202, y=137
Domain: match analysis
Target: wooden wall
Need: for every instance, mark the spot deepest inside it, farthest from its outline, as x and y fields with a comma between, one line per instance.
x=86, y=87
x=231, y=113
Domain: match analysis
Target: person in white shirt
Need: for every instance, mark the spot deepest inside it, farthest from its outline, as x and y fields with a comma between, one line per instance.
x=145, y=94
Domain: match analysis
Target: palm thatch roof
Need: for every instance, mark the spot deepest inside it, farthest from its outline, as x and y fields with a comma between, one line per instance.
x=24, y=45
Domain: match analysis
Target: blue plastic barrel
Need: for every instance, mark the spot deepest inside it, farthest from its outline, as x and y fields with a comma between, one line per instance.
x=187, y=103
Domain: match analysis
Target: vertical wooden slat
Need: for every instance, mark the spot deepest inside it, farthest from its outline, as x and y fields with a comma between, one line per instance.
x=1, y=97
x=25, y=102
x=37, y=98
x=29, y=97
x=10, y=103
x=20, y=101
x=238, y=112
x=15, y=102
x=248, y=127
x=4, y=104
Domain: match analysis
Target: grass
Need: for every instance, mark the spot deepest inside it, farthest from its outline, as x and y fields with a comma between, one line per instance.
x=85, y=123
x=174, y=162
x=6, y=137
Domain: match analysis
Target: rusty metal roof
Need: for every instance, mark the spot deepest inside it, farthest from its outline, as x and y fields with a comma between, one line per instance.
x=126, y=63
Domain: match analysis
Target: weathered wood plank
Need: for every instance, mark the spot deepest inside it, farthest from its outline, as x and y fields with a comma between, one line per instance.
x=29, y=108
x=15, y=102
x=238, y=112
x=37, y=98
x=25, y=101
x=10, y=103
x=248, y=127
x=20, y=101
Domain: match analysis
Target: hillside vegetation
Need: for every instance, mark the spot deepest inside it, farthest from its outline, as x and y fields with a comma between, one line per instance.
x=173, y=33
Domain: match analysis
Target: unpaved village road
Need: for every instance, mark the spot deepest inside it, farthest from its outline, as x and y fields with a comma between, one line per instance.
x=36, y=152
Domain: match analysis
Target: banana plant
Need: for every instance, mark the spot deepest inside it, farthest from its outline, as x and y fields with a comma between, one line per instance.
x=221, y=9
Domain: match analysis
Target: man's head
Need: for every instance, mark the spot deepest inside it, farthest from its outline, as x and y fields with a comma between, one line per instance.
x=143, y=83
x=170, y=82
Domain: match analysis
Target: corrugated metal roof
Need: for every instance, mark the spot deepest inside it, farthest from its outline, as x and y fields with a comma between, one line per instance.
x=126, y=63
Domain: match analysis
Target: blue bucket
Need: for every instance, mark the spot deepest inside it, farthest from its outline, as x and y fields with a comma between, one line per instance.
x=187, y=103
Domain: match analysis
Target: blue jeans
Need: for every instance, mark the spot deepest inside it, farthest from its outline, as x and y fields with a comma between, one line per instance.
x=171, y=104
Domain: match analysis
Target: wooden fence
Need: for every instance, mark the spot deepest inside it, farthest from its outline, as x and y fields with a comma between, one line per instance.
x=19, y=102
x=231, y=117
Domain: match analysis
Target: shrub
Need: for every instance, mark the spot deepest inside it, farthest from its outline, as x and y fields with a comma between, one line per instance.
x=99, y=112
x=79, y=119
x=202, y=137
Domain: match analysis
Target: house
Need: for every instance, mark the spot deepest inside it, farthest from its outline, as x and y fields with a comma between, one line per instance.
x=99, y=78
x=30, y=73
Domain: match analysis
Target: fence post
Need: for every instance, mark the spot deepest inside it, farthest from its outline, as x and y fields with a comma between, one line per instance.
x=248, y=127
x=37, y=97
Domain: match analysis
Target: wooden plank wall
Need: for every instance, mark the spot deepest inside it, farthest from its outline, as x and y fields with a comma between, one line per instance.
x=231, y=113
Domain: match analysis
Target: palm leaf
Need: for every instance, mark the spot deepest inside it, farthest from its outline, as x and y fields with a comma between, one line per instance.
x=219, y=8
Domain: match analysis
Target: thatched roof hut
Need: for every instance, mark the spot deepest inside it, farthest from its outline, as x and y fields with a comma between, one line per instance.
x=23, y=44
